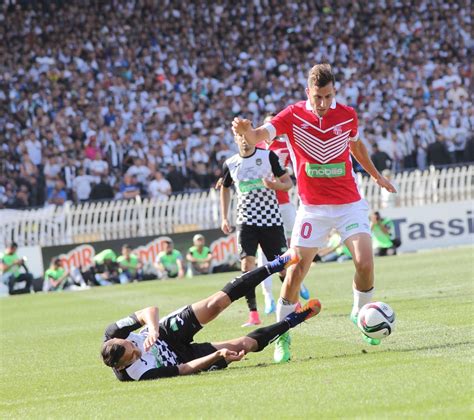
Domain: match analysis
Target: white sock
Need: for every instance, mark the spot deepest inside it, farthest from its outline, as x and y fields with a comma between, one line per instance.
x=267, y=288
x=361, y=299
x=283, y=309
x=267, y=283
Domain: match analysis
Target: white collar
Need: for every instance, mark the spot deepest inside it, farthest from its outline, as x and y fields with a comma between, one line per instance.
x=333, y=104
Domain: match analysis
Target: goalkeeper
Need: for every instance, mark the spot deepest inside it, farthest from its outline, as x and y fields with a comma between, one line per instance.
x=165, y=349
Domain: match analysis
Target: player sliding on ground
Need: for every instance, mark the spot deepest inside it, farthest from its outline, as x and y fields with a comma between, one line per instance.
x=165, y=348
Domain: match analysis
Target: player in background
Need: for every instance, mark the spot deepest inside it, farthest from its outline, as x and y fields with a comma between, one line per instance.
x=322, y=134
x=130, y=266
x=11, y=276
x=257, y=174
x=288, y=214
x=165, y=348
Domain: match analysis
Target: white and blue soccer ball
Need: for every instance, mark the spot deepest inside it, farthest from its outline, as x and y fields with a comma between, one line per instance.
x=376, y=320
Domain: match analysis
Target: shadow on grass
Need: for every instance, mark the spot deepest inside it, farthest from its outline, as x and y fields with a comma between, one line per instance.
x=363, y=352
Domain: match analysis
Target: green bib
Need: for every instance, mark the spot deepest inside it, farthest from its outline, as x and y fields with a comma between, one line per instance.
x=9, y=259
x=199, y=255
x=106, y=254
x=251, y=185
x=379, y=238
x=54, y=273
x=130, y=265
x=170, y=261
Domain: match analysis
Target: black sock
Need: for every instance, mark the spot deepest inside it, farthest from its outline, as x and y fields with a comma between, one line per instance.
x=251, y=300
x=243, y=284
x=282, y=278
x=264, y=336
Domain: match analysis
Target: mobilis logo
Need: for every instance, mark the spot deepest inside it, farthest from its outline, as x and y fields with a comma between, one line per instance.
x=148, y=252
x=81, y=256
x=224, y=250
x=330, y=170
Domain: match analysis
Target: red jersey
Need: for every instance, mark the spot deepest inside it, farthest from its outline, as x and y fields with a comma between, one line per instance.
x=319, y=150
x=280, y=148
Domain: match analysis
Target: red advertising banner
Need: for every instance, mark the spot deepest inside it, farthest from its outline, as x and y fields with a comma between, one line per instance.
x=224, y=249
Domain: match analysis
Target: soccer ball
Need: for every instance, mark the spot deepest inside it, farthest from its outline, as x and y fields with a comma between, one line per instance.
x=376, y=320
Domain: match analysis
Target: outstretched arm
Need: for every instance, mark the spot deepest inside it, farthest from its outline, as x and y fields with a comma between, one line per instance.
x=202, y=363
x=252, y=135
x=359, y=151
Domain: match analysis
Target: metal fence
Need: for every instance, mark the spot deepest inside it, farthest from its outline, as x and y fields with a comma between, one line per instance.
x=194, y=211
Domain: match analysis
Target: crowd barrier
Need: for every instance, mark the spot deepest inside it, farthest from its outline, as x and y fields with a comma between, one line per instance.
x=431, y=226
x=122, y=219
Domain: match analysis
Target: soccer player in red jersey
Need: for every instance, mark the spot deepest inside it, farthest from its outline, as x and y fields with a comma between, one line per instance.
x=322, y=134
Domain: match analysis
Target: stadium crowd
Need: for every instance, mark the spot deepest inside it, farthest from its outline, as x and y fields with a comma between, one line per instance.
x=115, y=99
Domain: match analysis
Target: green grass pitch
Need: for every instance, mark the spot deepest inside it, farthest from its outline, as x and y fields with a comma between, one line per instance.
x=50, y=366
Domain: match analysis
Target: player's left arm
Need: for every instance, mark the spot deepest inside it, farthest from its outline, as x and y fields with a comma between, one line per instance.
x=205, y=362
x=359, y=151
x=282, y=181
x=209, y=257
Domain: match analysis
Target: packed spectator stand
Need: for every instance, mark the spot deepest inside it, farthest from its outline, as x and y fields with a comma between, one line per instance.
x=115, y=99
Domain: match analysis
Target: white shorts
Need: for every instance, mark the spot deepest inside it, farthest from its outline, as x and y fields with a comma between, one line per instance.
x=288, y=215
x=314, y=223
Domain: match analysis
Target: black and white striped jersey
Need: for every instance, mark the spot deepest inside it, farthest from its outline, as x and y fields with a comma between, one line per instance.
x=160, y=359
x=257, y=204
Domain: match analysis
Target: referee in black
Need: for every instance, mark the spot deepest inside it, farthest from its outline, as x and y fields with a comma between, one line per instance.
x=256, y=174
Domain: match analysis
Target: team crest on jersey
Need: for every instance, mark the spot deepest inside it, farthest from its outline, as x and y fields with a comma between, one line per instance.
x=337, y=130
x=258, y=162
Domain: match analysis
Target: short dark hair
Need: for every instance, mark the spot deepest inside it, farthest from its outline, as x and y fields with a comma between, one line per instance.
x=112, y=353
x=12, y=245
x=321, y=75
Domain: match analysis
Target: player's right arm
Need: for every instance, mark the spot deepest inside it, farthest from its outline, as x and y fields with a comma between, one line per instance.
x=122, y=328
x=280, y=124
x=189, y=257
x=252, y=135
x=203, y=363
x=149, y=317
x=225, y=199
